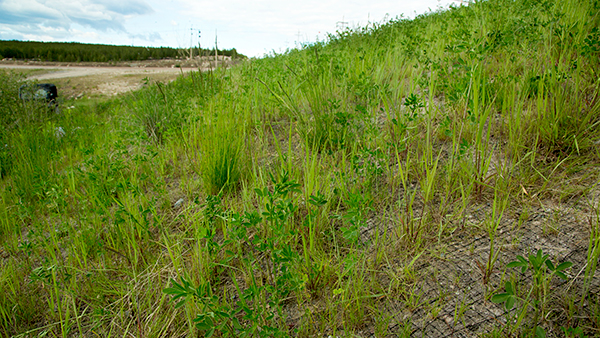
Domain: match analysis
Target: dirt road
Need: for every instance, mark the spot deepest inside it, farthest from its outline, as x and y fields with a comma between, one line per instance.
x=59, y=72
x=75, y=82
x=101, y=80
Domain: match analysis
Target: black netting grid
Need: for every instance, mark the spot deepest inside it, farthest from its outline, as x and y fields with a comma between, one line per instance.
x=455, y=296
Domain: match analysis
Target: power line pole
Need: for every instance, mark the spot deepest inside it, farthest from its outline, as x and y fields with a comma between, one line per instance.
x=191, y=40
x=341, y=25
x=216, y=51
x=199, y=47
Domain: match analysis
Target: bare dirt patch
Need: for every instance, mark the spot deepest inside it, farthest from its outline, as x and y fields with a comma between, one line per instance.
x=94, y=80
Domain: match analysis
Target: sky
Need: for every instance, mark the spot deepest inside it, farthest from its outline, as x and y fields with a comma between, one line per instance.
x=254, y=28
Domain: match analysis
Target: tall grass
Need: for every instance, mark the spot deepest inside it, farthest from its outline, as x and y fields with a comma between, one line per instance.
x=294, y=195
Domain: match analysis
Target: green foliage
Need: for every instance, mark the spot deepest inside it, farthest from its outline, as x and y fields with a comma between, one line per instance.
x=540, y=264
x=10, y=107
x=537, y=262
x=293, y=195
x=214, y=317
x=222, y=158
x=574, y=332
x=508, y=297
x=253, y=314
x=413, y=103
x=354, y=219
x=157, y=111
x=27, y=129
x=78, y=52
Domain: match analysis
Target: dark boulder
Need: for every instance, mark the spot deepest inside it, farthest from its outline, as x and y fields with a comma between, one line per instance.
x=39, y=92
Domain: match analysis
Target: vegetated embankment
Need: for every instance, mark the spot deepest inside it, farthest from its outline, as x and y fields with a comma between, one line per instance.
x=430, y=177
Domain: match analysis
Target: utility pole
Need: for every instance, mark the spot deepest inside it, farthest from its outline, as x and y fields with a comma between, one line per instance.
x=199, y=47
x=216, y=51
x=341, y=25
x=191, y=40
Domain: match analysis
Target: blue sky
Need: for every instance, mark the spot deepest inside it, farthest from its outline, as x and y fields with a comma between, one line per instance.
x=254, y=28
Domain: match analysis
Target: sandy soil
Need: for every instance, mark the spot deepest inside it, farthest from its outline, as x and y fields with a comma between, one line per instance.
x=58, y=72
x=94, y=80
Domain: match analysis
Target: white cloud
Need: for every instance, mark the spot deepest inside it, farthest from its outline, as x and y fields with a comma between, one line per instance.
x=252, y=27
x=103, y=15
x=265, y=25
x=269, y=15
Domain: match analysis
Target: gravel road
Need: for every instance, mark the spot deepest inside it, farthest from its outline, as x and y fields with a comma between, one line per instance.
x=60, y=72
x=98, y=80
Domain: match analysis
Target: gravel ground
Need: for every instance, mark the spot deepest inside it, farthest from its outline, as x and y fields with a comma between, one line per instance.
x=88, y=79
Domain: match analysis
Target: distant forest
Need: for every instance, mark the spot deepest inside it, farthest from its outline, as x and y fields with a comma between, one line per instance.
x=77, y=52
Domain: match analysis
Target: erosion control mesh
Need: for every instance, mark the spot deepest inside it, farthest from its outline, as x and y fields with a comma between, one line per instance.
x=452, y=289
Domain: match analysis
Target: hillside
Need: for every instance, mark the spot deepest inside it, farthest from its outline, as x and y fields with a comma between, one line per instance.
x=435, y=177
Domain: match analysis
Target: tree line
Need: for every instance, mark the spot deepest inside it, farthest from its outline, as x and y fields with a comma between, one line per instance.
x=78, y=52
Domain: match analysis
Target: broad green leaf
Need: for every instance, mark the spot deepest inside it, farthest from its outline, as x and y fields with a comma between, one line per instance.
x=515, y=264
x=180, y=303
x=236, y=324
x=509, y=288
x=533, y=260
x=210, y=332
x=539, y=332
x=500, y=298
x=563, y=266
x=179, y=295
x=510, y=303
x=171, y=291
x=561, y=275
x=222, y=314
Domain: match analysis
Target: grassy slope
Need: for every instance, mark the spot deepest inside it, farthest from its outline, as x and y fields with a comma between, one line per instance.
x=293, y=195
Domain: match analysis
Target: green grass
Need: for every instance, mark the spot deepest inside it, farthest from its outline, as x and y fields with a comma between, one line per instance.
x=318, y=191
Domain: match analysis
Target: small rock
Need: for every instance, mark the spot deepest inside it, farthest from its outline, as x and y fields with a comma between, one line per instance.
x=59, y=132
x=178, y=204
